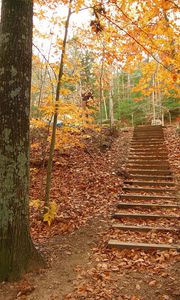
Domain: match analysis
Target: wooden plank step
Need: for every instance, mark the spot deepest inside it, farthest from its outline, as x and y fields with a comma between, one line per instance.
x=139, y=189
x=144, y=150
x=146, y=166
x=147, y=146
x=148, y=137
x=142, y=228
x=148, y=157
x=148, y=152
x=144, y=197
x=136, y=129
x=148, y=134
x=123, y=245
x=148, y=162
x=143, y=216
x=153, y=129
x=147, y=205
x=151, y=177
x=145, y=159
x=148, y=141
x=145, y=127
x=149, y=172
x=150, y=183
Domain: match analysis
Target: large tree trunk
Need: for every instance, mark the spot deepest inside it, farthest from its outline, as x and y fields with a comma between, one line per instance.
x=17, y=253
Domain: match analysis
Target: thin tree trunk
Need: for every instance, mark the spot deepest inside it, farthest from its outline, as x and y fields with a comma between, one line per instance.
x=111, y=110
x=104, y=101
x=101, y=87
x=53, y=137
x=169, y=118
x=17, y=252
x=153, y=102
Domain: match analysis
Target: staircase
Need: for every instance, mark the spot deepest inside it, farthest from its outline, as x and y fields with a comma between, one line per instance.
x=148, y=210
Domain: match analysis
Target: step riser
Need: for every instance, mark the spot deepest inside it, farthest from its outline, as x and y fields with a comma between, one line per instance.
x=148, y=140
x=148, y=148
x=146, y=145
x=150, y=178
x=122, y=245
x=142, y=228
x=150, y=205
x=145, y=135
x=146, y=197
x=136, y=216
x=146, y=167
x=142, y=183
x=149, y=172
x=148, y=152
x=150, y=158
x=128, y=189
x=153, y=162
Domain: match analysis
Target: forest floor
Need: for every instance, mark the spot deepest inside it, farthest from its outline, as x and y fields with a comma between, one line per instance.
x=86, y=183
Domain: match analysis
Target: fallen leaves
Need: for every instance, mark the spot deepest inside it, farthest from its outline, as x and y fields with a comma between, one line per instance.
x=83, y=185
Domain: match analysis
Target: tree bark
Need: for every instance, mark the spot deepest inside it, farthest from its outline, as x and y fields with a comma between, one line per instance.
x=111, y=104
x=17, y=252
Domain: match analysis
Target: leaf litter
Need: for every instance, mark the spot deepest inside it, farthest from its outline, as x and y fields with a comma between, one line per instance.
x=85, y=188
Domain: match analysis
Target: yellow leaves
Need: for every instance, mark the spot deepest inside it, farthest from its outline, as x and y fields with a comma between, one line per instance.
x=35, y=203
x=78, y=5
x=51, y=213
x=36, y=123
x=65, y=92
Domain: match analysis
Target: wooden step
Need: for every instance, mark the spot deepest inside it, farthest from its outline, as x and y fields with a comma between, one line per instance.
x=149, y=172
x=145, y=129
x=150, y=183
x=143, y=228
x=148, y=130
x=147, y=153
x=148, y=157
x=144, y=246
x=146, y=135
x=147, y=205
x=148, y=166
x=152, y=190
x=148, y=141
x=151, y=177
x=145, y=197
x=146, y=146
x=143, y=216
x=155, y=162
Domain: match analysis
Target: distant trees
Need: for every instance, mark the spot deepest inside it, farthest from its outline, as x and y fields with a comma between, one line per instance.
x=17, y=252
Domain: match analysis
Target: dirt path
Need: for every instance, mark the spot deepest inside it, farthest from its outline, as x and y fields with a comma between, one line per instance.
x=68, y=255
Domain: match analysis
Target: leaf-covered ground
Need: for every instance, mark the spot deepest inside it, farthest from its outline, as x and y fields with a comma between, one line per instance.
x=86, y=184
